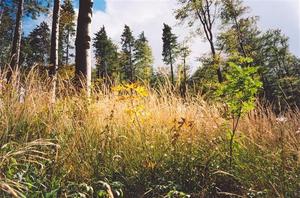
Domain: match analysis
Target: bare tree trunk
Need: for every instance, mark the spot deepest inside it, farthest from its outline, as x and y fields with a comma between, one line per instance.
x=172, y=71
x=83, y=45
x=16, y=45
x=207, y=21
x=238, y=28
x=216, y=62
x=1, y=10
x=68, y=46
x=131, y=66
x=184, y=77
x=54, y=46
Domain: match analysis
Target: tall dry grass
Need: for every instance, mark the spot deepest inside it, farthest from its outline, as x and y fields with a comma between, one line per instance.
x=140, y=145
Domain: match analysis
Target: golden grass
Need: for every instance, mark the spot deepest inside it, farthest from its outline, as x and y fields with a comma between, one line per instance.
x=106, y=132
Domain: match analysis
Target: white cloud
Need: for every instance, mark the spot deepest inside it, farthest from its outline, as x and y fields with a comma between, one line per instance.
x=279, y=14
x=147, y=16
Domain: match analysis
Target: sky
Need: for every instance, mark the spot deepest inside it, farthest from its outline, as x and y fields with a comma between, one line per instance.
x=149, y=16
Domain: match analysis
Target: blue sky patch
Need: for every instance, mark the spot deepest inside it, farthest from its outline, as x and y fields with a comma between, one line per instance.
x=98, y=4
x=29, y=23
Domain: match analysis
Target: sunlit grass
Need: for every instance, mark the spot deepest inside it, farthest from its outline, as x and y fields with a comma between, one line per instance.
x=137, y=142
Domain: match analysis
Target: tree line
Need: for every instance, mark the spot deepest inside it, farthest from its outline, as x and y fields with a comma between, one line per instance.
x=226, y=26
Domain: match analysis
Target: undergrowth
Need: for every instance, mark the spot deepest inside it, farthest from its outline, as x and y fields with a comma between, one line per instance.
x=138, y=142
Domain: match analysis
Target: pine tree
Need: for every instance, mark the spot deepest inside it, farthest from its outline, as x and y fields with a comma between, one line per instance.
x=33, y=8
x=67, y=31
x=170, y=49
x=16, y=44
x=38, y=45
x=106, y=56
x=143, y=58
x=6, y=34
x=128, y=42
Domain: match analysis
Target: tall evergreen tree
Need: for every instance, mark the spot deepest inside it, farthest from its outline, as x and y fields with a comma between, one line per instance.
x=143, y=58
x=128, y=42
x=6, y=34
x=83, y=62
x=106, y=56
x=16, y=44
x=38, y=45
x=67, y=31
x=170, y=49
x=32, y=8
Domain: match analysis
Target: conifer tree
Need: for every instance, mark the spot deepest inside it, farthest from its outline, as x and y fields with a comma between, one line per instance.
x=170, y=49
x=38, y=45
x=67, y=31
x=6, y=33
x=143, y=58
x=16, y=44
x=106, y=56
x=127, y=41
x=33, y=8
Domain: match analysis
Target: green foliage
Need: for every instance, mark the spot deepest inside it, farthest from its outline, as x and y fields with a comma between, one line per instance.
x=240, y=34
x=127, y=67
x=37, y=46
x=33, y=8
x=197, y=14
x=176, y=194
x=279, y=70
x=26, y=167
x=106, y=57
x=241, y=87
x=170, y=49
x=66, y=32
x=143, y=58
x=6, y=32
x=170, y=45
x=238, y=92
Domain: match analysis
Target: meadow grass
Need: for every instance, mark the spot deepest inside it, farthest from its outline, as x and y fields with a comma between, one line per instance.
x=139, y=142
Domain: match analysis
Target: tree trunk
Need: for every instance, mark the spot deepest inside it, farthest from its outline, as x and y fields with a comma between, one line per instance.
x=206, y=20
x=184, y=77
x=83, y=45
x=1, y=10
x=172, y=72
x=215, y=62
x=68, y=46
x=16, y=45
x=131, y=66
x=238, y=29
x=54, y=46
